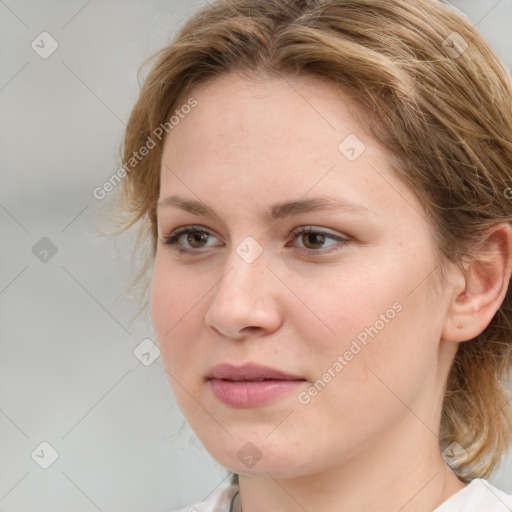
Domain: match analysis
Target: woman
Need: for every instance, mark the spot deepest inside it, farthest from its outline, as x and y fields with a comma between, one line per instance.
x=326, y=190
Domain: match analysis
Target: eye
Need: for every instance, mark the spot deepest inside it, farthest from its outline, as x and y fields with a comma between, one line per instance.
x=190, y=239
x=195, y=238
x=315, y=238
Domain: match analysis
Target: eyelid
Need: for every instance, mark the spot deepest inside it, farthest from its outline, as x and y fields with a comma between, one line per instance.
x=314, y=229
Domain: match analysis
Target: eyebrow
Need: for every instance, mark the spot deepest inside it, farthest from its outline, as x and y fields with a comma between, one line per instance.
x=276, y=211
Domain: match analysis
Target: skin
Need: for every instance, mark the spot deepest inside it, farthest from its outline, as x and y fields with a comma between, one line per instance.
x=369, y=440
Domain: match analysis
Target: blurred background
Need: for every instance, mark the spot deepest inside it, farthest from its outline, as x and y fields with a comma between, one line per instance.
x=87, y=419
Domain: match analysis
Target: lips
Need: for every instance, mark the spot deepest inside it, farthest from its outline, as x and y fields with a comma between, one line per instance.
x=249, y=372
x=250, y=385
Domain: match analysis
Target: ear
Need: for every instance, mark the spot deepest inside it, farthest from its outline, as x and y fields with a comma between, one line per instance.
x=480, y=286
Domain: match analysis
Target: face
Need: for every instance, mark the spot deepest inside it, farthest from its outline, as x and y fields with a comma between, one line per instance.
x=334, y=293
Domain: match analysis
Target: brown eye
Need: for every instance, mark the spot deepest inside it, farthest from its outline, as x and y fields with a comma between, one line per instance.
x=189, y=239
x=197, y=238
x=313, y=240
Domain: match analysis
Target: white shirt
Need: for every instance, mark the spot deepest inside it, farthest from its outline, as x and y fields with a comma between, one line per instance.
x=478, y=496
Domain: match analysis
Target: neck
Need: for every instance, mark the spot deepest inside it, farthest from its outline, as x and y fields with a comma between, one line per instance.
x=405, y=473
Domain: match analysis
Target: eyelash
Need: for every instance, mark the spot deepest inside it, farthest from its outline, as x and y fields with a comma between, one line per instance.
x=173, y=239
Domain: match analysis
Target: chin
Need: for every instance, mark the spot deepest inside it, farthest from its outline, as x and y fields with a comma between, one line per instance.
x=260, y=457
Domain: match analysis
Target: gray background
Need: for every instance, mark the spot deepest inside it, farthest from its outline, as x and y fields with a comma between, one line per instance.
x=68, y=373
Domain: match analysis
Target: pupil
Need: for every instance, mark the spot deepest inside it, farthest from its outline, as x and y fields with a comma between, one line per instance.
x=196, y=237
x=320, y=239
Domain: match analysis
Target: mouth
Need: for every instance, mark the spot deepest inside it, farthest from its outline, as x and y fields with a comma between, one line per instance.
x=249, y=372
x=250, y=385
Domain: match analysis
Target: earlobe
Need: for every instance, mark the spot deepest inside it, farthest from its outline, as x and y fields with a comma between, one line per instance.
x=481, y=286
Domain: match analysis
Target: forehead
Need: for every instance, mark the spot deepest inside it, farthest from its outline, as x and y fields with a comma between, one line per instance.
x=234, y=107
x=277, y=137
x=272, y=124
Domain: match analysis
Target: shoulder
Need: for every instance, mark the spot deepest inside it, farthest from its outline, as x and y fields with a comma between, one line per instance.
x=220, y=501
x=478, y=495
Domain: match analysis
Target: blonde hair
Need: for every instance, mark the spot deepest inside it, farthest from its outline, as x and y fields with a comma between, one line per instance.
x=432, y=91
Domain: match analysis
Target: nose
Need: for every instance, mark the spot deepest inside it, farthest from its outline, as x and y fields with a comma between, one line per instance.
x=245, y=301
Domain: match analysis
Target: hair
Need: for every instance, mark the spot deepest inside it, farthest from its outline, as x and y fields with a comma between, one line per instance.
x=443, y=111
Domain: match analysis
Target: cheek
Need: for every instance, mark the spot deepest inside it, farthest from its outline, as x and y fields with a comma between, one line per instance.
x=334, y=309
x=378, y=327
x=177, y=313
